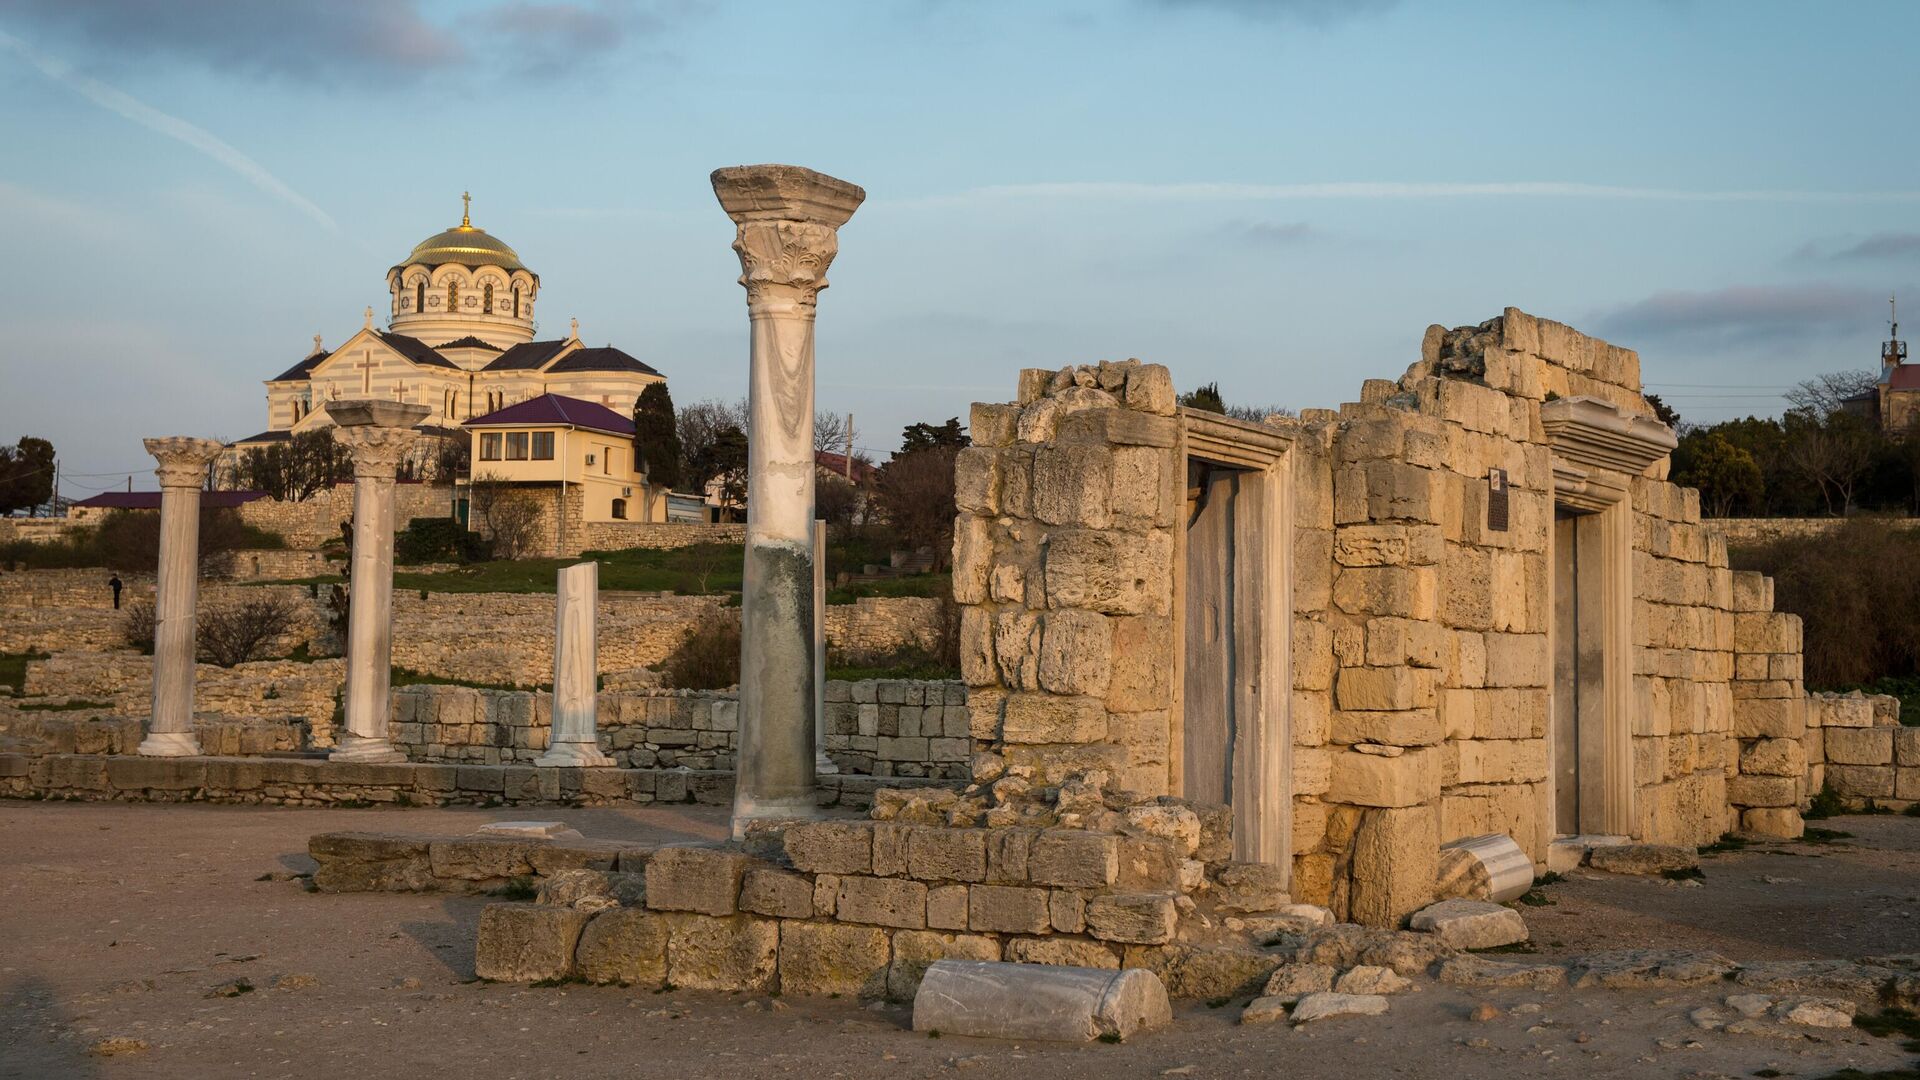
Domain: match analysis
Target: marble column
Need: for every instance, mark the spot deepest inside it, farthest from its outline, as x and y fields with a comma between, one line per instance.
x=182, y=473
x=787, y=220
x=822, y=764
x=576, y=670
x=379, y=434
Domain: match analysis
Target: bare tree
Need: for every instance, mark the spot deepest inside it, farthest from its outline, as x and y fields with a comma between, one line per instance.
x=236, y=633
x=830, y=432
x=507, y=515
x=1821, y=396
x=1832, y=453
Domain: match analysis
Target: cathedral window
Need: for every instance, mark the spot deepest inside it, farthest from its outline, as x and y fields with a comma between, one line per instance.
x=516, y=301
x=420, y=295
x=486, y=298
x=490, y=446
x=543, y=446
x=453, y=295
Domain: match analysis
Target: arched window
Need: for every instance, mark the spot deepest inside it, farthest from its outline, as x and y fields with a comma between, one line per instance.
x=516, y=301
x=420, y=295
x=486, y=298
x=453, y=294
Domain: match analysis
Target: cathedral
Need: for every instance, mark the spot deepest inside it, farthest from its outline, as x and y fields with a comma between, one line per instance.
x=459, y=339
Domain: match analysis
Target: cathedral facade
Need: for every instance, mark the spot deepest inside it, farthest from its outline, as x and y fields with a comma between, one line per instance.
x=459, y=339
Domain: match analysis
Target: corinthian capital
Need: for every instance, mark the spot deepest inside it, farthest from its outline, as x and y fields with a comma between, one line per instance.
x=183, y=460
x=788, y=220
x=377, y=451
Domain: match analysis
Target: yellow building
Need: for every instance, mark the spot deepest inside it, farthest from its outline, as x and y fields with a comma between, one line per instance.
x=459, y=339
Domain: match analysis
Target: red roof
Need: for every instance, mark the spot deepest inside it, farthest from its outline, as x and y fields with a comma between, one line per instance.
x=150, y=500
x=1904, y=377
x=828, y=461
x=556, y=409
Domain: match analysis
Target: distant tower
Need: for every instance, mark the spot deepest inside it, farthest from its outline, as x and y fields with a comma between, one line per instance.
x=1893, y=352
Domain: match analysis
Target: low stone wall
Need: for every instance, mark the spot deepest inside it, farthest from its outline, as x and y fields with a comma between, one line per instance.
x=896, y=728
x=289, y=781
x=55, y=611
x=310, y=523
x=873, y=628
x=659, y=535
x=1864, y=755
x=275, y=564
x=81, y=588
x=1753, y=532
x=268, y=689
x=35, y=530
x=508, y=637
x=91, y=731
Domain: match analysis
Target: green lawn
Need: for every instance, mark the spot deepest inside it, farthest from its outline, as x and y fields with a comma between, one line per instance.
x=13, y=668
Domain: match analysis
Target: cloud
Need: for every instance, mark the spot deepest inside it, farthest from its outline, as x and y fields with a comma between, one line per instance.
x=1269, y=234
x=340, y=41
x=1310, y=12
x=1743, y=315
x=1882, y=245
x=169, y=125
x=1230, y=191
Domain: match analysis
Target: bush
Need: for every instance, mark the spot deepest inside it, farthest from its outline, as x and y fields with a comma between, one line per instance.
x=428, y=540
x=1856, y=595
x=130, y=539
x=709, y=659
x=136, y=626
x=237, y=633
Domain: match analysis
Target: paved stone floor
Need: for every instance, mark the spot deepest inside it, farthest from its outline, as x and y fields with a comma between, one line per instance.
x=116, y=920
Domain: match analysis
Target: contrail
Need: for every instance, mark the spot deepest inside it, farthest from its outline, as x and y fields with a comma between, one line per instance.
x=171, y=126
x=1365, y=189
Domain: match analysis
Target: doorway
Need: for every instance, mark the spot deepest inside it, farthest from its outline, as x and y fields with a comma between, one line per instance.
x=1579, y=675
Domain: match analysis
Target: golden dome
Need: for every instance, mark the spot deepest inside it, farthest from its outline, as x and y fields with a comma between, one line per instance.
x=465, y=245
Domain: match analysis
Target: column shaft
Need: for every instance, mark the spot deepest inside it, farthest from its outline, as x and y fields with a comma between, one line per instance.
x=574, y=739
x=182, y=468
x=370, y=624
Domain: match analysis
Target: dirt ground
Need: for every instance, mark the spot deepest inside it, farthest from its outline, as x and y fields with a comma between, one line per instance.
x=116, y=920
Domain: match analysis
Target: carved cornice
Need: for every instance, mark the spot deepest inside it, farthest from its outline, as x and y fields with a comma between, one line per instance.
x=1233, y=442
x=377, y=451
x=183, y=459
x=1598, y=448
x=785, y=260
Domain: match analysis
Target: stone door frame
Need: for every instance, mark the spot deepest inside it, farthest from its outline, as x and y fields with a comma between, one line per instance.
x=1597, y=451
x=1262, y=752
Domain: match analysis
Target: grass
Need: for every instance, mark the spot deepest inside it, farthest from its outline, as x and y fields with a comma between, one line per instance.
x=1827, y=803
x=406, y=677
x=13, y=668
x=519, y=888
x=929, y=585
x=914, y=668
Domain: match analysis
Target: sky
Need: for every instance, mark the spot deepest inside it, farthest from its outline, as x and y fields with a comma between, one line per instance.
x=1275, y=195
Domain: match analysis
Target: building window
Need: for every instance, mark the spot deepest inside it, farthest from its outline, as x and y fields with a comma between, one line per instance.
x=420, y=295
x=516, y=446
x=486, y=298
x=543, y=446
x=606, y=462
x=490, y=446
x=516, y=301
x=453, y=294
x=620, y=509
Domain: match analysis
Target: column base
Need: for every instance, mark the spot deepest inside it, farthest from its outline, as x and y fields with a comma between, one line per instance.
x=824, y=766
x=573, y=755
x=745, y=812
x=361, y=748
x=170, y=744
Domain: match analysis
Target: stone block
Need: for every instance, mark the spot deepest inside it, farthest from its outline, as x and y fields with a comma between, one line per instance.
x=1769, y=718
x=1071, y=484
x=1076, y=651
x=828, y=958
x=993, y=425
x=1008, y=909
x=1133, y=918
x=1149, y=389
x=1046, y=718
x=976, y=480
x=1074, y=858
x=737, y=952
x=1471, y=924
x=1906, y=747
x=1371, y=780
x=1041, y=1002
x=706, y=880
x=947, y=854
x=1394, y=865
x=1859, y=746
x=1206, y=972
x=1063, y=952
x=482, y=858
x=1782, y=822
x=1383, y=689
x=1109, y=572
x=1008, y=851
x=1763, y=790
x=1251, y=887
x=882, y=902
x=830, y=847
x=624, y=946
x=916, y=950
x=947, y=907
x=526, y=942
x=777, y=894
x=1774, y=757
x=1861, y=781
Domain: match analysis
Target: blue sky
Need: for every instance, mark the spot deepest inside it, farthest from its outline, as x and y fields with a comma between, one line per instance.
x=1276, y=195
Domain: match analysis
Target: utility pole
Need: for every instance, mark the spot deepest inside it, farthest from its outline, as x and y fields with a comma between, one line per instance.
x=847, y=466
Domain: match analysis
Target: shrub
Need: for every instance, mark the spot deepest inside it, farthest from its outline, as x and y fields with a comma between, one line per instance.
x=136, y=626
x=237, y=633
x=710, y=657
x=438, y=540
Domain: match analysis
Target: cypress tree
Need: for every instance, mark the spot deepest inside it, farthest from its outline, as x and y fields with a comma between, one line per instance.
x=656, y=438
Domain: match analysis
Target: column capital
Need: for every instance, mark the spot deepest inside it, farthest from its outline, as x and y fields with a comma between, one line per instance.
x=377, y=451
x=787, y=222
x=183, y=459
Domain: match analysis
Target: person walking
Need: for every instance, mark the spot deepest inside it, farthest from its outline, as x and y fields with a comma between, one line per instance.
x=115, y=584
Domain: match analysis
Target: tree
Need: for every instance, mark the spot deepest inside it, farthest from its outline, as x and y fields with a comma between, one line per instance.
x=829, y=432
x=1725, y=475
x=914, y=492
x=1833, y=453
x=295, y=470
x=724, y=458
x=1664, y=412
x=1822, y=395
x=507, y=515
x=698, y=425
x=835, y=500
x=26, y=475
x=949, y=435
x=1205, y=398
x=656, y=436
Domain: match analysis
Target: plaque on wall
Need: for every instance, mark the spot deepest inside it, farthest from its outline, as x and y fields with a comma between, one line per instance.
x=1497, y=500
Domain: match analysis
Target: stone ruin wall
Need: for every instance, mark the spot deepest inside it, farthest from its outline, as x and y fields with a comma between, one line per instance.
x=311, y=522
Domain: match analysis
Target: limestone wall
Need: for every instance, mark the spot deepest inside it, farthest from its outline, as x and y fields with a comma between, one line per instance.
x=620, y=535
x=874, y=627
x=1864, y=755
x=266, y=690
x=508, y=637
x=1752, y=532
x=889, y=727
x=274, y=564
x=310, y=523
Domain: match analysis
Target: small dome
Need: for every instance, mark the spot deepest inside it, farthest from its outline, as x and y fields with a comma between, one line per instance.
x=467, y=246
